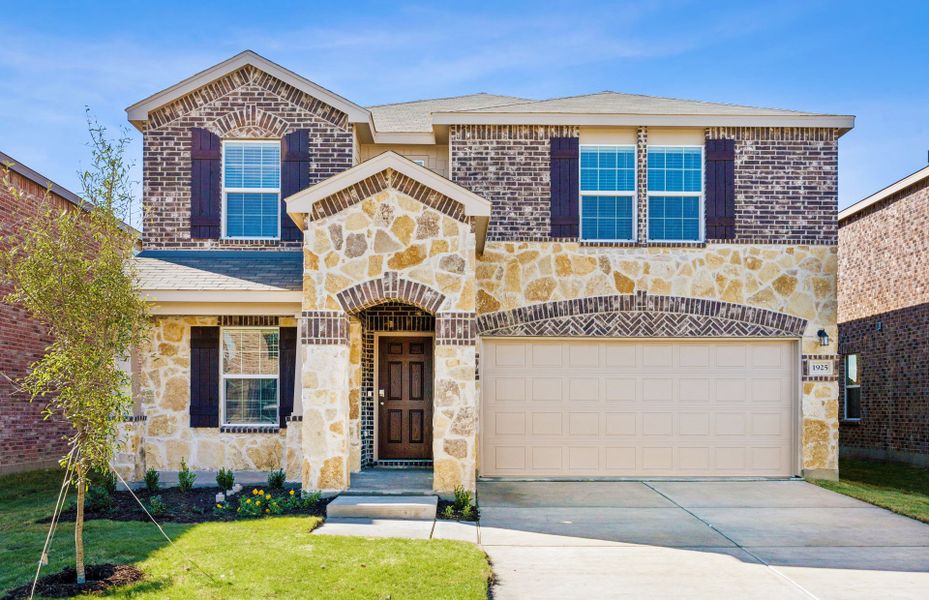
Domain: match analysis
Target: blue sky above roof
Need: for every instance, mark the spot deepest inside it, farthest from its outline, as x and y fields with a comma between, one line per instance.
x=818, y=56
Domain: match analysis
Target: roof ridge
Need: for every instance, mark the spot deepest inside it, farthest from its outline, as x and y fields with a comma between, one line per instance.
x=442, y=98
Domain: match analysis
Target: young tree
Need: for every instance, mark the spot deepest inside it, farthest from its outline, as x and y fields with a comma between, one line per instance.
x=70, y=269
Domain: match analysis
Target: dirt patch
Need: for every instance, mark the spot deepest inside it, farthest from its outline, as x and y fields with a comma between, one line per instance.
x=62, y=584
x=196, y=506
x=455, y=515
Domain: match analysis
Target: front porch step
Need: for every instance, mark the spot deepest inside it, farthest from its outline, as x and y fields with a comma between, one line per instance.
x=383, y=507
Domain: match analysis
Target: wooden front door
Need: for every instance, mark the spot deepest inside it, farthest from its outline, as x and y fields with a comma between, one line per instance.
x=404, y=396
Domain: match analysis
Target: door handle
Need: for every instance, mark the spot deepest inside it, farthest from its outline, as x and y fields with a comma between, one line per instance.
x=382, y=404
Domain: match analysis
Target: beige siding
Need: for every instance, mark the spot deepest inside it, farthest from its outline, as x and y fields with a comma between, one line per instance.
x=435, y=157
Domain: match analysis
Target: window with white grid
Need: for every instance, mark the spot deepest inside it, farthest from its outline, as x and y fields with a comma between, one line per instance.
x=607, y=210
x=675, y=193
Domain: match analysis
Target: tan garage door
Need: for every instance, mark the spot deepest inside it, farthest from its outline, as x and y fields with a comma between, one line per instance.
x=582, y=408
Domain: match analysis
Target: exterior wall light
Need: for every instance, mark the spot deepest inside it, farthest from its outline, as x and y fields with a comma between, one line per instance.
x=823, y=337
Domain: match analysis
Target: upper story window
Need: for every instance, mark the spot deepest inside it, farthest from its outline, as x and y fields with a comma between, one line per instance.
x=852, y=386
x=607, y=207
x=675, y=193
x=251, y=189
x=250, y=373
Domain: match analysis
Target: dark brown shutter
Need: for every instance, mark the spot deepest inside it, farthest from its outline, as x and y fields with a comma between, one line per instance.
x=295, y=176
x=287, y=366
x=204, y=376
x=565, y=166
x=720, y=189
x=205, y=184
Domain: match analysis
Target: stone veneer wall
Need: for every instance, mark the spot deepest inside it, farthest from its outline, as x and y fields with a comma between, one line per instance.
x=363, y=246
x=797, y=281
x=247, y=103
x=165, y=395
x=883, y=316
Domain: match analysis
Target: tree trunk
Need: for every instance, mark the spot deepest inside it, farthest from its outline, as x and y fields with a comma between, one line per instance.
x=79, y=527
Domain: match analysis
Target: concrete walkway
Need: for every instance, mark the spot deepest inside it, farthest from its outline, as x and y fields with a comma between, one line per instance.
x=434, y=529
x=758, y=539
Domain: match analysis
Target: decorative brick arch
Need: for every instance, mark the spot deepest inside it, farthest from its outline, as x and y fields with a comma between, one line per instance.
x=390, y=287
x=640, y=315
x=250, y=121
x=388, y=179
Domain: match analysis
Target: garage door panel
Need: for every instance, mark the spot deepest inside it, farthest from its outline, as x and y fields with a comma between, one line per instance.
x=623, y=408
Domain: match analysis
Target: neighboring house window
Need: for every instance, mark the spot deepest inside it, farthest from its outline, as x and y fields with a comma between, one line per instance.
x=852, y=386
x=607, y=210
x=250, y=372
x=251, y=189
x=420, y=161
x=675, y=193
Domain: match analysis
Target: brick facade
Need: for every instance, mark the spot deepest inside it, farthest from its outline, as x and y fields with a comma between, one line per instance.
x=786, y=180
x=26, y=441
x=246, y=103
x=883, y=317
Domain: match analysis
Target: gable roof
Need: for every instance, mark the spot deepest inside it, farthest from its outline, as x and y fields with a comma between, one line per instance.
x=615, y=108
x=44, y=182
x=301, y=204
x=416, y=116
x=138, y=112
x=888, y=191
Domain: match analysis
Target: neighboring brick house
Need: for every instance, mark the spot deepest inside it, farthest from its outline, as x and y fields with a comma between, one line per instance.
x=883, y=321
x=599, y=286
x=27, y=440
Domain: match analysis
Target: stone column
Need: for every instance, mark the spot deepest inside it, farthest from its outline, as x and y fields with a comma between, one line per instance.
x=325, y=400
x=454, y=421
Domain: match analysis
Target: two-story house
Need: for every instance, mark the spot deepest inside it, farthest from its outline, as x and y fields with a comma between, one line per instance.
x=609, y=285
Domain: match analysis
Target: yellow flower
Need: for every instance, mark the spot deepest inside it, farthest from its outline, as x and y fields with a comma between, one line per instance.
x=219, y=506
x=248, y=500
x=267, y=496
x=291, y=492
x=267, y=511
x=257, y=502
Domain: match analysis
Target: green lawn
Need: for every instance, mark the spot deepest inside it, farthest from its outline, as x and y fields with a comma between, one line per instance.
x=901, y=488
x=273, y=557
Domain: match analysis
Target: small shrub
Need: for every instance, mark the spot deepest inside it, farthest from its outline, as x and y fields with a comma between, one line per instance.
x=276, y=479
x=467, y=512
x=157, y=506
x=185, y=478
x=462, y=498
x=225, y=480
x=98, y=499
x=104, y=478
x=300, y=501
x=449, y=512
x=151, y=480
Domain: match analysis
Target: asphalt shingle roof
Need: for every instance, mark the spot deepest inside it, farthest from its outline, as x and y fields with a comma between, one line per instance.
x=219, y=270
x=416, y=116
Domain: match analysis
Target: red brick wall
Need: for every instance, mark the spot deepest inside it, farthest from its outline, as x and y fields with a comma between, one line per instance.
x=884, y=317
x=245, y=104
x=26, y=441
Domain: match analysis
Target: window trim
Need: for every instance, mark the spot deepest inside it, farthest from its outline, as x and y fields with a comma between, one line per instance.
x=701, y=196
x=616, y=194
x=222, y=380
x=222, y=175
x=845, y=386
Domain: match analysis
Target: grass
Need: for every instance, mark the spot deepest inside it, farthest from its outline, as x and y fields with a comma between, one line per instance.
x=904, y=489
x=262, y=558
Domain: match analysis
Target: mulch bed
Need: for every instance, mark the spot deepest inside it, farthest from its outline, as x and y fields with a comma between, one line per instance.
x=195, y=506
x=62, y=584
x=440, y=512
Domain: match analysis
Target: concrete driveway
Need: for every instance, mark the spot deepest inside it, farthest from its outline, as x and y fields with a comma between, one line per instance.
x=750, y=539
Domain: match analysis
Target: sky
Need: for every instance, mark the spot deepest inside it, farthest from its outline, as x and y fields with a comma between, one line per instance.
x=858, y=58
